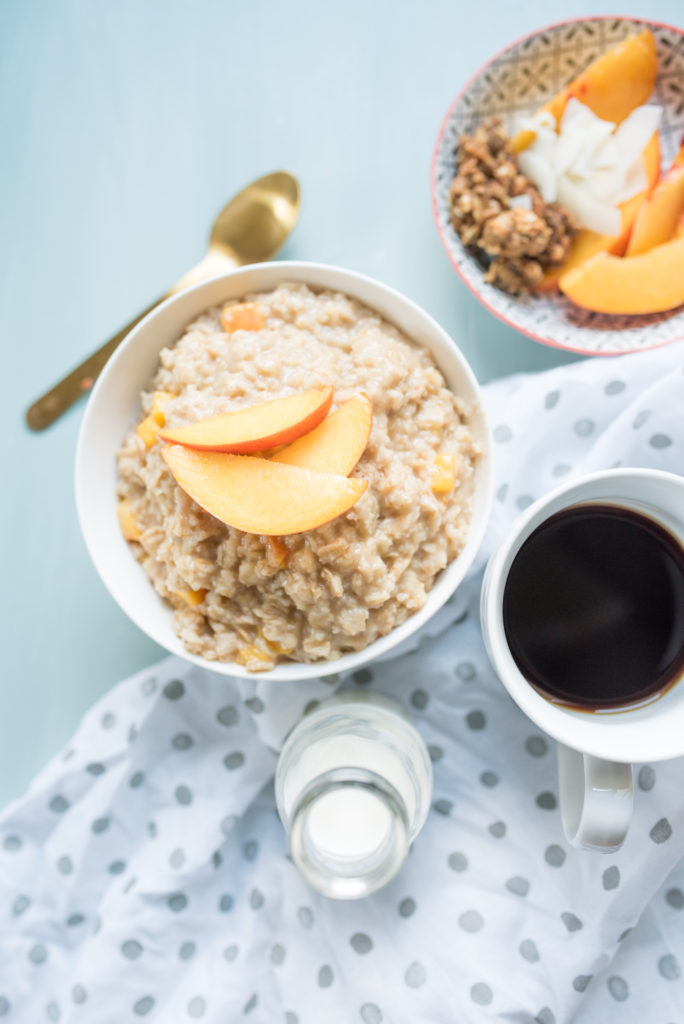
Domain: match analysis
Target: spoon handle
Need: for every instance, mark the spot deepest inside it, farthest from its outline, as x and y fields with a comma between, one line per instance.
x=62, y=396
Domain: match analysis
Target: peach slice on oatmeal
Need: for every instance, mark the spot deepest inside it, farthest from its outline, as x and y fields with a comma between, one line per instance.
x=256, y=427
x=148, y=429
x=259, y=496
x=246, y=316
x=336, y=444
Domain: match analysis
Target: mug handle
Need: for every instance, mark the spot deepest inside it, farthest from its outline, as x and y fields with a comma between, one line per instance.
x=596, y=799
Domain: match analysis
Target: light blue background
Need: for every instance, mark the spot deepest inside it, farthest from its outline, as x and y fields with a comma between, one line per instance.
x=124, y=127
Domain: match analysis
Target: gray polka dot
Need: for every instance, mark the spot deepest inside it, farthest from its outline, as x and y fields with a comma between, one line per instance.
x=661, y=831
x=79, y=994
x=529, y=951
x=251, y=850
x=100, y=825
x=675, y=898
x=52, y=1011
x=407, y=907
x=65, y=865
x=177, y=858
x=226, y=903
x=443, y=807
x=177, y=901
x=560, y=469
x=466, y=671
x=611, y=877
x=546, y=801
x=641, y=418
x=501, y=492
x=228, y=824
x=646, y=777
x=278, y=954
x=668, y=967
x=502, y=433
x=415, y=975
x=361, y=943
x=489, y=779
x=37, y=954
x=234, y=760
x=618, y=988
x=251, y=1003
x=584, y=427
x=148, y=686
x=20, y=904
x=143, y=1006
x=216, y=859
x=227, y=715
x=131, y=949
x=660, y=441
x=12, y=843
x=59, y=804
x=476, y=720
x=95, y=768
x=545, y=1016
x=581, y=982
x=481, y=993
x=457, y=861
x=471, y=921
x=196, y=1007
x=436, y=753
x=363, y=676
x=132, y=733
x=291, y=1018
x=536, y=746
x=571, y=921
x=152, y=829
x=255, y=705
x=551, y=399
x=75, y=919
x=615, y=387
x=5, y=1006
x=555, y=855
x=519, y=886
x=524, y=501
x=497, y=829
x=230, y=953
x=174, y=690
x=419, y=699
x=371, y=1014
x=305, y=917
x=325, y=976
x=183, y=795
x=256, y=899
x=182, y=741
x=117, y=867
x=108, y=720
x=137, y=779
x=187, y=950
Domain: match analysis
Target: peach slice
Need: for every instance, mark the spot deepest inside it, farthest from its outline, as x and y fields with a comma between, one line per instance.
x=588, y=243
x=260, y=496
x=246, y=316
x=649, y=283
x=612, y=86
x=258, y=426
x=656, y=221
x=337, y=444
x=679, y=230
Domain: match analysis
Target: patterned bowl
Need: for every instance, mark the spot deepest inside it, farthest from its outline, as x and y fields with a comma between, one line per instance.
x=519, y=80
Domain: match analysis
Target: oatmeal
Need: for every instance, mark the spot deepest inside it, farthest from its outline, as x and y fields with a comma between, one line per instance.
x=316, y=595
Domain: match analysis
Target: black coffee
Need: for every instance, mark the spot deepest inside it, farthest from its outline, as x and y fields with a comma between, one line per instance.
x=593, y=608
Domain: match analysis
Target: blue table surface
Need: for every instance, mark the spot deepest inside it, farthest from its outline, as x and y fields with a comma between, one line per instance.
x=125, y=127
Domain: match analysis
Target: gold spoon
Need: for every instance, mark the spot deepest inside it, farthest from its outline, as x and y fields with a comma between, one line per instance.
x=249, y=229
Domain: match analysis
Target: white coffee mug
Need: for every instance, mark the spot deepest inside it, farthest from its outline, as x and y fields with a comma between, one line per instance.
x=596, y=749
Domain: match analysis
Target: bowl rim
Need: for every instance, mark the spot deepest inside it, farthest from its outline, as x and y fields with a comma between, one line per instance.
x=383, y=645
x=542, y=339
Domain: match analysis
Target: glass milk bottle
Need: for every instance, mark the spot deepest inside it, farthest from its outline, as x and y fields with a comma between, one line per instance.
x=353, y=788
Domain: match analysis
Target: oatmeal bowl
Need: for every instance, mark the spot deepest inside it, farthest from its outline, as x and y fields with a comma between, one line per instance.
x=284, y=470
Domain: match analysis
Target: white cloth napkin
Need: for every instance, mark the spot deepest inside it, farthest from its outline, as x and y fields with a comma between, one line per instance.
x=144, y=875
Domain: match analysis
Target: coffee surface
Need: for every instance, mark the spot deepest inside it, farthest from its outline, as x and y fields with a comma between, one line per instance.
x=593, y=608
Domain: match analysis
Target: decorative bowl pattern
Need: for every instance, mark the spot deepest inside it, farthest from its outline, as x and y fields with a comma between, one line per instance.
x=519, y=80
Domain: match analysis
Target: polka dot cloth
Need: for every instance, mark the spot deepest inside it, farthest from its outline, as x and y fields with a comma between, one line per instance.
x=144, y=876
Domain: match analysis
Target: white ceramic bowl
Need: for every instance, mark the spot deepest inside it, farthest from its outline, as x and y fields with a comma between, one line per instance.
x=520, y=79
x=115, y=404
